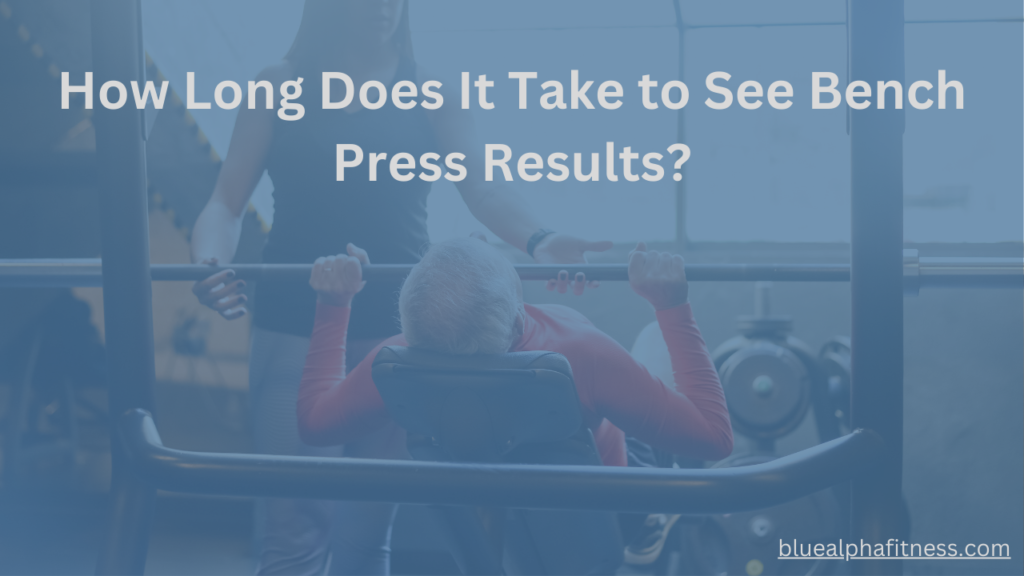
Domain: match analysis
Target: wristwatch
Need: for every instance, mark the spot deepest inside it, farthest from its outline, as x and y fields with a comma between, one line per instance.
x=535, y=239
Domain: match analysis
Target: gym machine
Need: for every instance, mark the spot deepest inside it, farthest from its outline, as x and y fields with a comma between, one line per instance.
x=772, y=381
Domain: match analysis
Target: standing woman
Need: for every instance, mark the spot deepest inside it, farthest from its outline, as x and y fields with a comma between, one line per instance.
x=315, y=215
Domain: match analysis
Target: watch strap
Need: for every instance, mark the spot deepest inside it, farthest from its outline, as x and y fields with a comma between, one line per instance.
x=536, y=238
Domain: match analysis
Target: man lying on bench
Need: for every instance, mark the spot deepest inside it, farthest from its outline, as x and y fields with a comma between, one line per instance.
x=464, y=297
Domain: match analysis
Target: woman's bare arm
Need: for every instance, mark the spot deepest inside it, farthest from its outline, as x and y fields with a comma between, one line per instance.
x=497, y=205
x=217, y=230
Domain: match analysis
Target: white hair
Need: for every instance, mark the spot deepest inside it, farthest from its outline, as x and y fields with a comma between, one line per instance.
x=462, y=298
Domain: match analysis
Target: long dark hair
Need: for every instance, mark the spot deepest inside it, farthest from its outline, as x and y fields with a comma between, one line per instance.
x=319, y=24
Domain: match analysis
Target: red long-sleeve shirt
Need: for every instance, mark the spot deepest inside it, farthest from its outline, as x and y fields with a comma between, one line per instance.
x=616, y=393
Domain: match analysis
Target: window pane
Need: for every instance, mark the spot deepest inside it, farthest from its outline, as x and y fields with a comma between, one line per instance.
x=604, y=41
x=963, y=168
x=774, y=175
x=767, y=174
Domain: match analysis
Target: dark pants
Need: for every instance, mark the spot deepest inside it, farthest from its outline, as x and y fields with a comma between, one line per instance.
x=639, y=455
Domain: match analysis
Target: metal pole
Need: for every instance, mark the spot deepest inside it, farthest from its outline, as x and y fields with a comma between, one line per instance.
x=127, y=292
x=556, y=487
x=876, y=169
x=682, y=238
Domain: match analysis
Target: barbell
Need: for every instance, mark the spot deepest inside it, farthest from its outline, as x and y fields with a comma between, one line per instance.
x=917, y=272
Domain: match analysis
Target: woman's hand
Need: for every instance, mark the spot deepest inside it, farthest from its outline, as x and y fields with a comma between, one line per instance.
x=219, y=225
x=565, y=249
x=221, y=292
x=337, y=279
x=659, y=277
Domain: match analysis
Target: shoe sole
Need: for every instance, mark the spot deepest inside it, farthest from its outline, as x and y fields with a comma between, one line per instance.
x=651, y=553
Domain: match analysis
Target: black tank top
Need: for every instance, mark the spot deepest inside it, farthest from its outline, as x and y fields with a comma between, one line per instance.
x=315, y=215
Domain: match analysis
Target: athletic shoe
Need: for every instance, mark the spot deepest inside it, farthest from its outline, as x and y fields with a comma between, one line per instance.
x=647, y=546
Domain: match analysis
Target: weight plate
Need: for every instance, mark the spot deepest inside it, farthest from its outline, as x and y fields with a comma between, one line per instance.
x=767, y=389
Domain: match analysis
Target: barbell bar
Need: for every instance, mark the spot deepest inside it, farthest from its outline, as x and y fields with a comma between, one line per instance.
x=918, y=272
